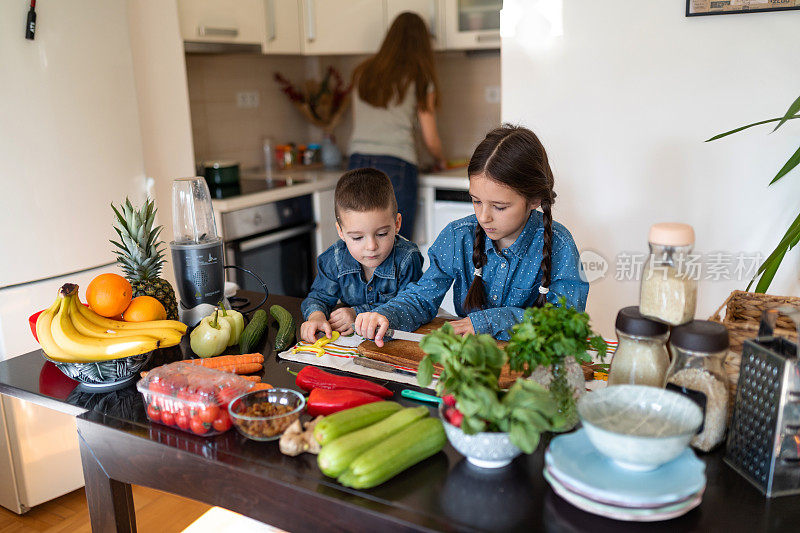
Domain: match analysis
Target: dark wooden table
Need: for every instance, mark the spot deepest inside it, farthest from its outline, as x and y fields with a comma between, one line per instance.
x=120, y=447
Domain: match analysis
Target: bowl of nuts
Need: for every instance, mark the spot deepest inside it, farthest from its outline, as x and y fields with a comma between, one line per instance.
x=265, y=414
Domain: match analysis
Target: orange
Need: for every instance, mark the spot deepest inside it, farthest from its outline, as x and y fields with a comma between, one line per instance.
x=144, y=308
x=109, y=294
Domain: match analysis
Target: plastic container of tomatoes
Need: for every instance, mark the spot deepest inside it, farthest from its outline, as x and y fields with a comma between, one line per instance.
x=191, y=397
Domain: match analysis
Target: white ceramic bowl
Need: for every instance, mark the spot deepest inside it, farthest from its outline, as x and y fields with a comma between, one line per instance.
x=639, y=427
x=485, y=450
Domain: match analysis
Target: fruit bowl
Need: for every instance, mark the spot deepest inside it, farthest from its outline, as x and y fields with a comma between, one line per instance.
x=104, y=375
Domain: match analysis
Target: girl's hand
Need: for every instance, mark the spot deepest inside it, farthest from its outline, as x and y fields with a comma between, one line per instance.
x=316, y=322
x=463, y=326
x=372, y=326
x=342, y=320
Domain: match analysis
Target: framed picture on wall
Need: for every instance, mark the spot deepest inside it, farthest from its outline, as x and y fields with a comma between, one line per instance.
x=696, y=8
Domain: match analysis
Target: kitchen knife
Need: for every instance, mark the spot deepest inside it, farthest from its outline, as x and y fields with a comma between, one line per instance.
x=380, y=365
x=396, y=334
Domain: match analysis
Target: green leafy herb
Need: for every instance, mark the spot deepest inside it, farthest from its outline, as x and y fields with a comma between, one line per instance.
x=547, y=335
x=471, y=367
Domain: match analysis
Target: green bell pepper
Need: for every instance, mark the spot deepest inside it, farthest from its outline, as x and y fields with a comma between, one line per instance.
x=211, y=336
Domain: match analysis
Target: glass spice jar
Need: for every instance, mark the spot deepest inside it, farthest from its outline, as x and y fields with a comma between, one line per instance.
x=641, y=357
x=697, y=371
x=668, y=292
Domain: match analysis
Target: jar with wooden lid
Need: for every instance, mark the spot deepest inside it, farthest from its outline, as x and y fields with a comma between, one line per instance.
x=641, y=357
x=698, y=352
x=668, y=292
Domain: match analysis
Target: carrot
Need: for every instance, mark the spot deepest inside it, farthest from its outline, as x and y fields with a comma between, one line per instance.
x=255, y=379
x=247, y=368
x=261, y=386
x=228, y=360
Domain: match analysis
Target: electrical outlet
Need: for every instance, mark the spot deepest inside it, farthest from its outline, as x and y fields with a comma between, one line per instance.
x=247, y=100
x=492, y=94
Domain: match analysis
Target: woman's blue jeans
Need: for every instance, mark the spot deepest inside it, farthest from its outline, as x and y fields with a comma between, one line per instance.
x=404, y=177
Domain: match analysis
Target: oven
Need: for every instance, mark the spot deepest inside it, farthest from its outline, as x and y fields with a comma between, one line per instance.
x=276, y=242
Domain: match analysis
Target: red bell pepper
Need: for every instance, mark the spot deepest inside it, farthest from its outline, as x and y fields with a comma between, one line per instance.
x=328, y=401
x=312, y=377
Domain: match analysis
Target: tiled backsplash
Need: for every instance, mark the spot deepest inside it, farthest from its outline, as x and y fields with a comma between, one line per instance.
x=222, y=130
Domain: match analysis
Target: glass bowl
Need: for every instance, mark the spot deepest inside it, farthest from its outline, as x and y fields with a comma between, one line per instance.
x=266, y=428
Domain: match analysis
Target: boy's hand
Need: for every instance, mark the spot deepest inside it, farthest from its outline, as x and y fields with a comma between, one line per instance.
x=372, y=326
x=463, y=326
x=342, y=320
x=316, y=322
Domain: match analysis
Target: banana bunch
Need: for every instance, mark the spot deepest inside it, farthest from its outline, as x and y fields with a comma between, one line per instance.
x=70, y=332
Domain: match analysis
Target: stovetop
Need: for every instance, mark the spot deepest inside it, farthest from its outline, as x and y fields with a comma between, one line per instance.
x=247, y=186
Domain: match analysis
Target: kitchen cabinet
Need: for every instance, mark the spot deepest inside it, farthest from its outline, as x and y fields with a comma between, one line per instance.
x=282, y=27
x=342, y=26
x=472, y=24
x=325, y=218
x=222, y=21
x=431, y=11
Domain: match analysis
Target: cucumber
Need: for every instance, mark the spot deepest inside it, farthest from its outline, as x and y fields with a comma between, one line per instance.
x=335, y=457
x=253, y=332
x=394, y=454
x=286, y=327
x=334, y=426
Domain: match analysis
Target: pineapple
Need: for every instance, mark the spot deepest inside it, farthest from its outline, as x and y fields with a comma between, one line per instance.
x=139, y=254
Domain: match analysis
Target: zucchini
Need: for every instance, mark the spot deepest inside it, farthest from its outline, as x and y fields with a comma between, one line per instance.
x=251, y=336
x=285, y=336
x=334, y=426
x=335, y=457
x=394, y=454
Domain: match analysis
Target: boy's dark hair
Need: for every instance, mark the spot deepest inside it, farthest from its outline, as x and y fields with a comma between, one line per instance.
x=364, y=189
x=514, y=157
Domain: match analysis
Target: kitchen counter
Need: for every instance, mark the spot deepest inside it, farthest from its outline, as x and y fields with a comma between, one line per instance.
x=302, y=182
x=119, y=447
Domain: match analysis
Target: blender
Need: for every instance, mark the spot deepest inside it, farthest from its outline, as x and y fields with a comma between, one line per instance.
x=197, y=254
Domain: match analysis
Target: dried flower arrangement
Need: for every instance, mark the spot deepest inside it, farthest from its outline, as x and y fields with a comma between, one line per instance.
x=321, y=103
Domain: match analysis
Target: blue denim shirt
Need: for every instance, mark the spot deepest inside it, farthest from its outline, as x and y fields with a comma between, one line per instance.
x=339, y=277
x=511, y=278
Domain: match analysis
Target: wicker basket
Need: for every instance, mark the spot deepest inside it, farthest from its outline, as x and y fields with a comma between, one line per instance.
x=742, y=318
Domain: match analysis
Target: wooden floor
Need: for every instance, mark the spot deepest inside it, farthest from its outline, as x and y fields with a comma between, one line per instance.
x=155, y=511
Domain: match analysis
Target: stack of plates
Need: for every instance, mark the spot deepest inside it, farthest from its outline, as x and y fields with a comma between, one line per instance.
x=590, y=481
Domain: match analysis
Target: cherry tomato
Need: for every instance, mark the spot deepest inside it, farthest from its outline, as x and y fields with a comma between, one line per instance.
x=198, y=426
x=167, y=418
x=222, y=422
x=182, y=421
x=226, y=394
x=208, y=414
x=153, y=413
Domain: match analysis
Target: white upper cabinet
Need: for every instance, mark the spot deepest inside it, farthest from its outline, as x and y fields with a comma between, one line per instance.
x=282, y=27
x=342, y=26
x=471, y=24
x=222, y=21
x=432, y=11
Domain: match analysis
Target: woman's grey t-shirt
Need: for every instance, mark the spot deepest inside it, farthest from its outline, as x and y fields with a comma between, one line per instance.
x=385, y=131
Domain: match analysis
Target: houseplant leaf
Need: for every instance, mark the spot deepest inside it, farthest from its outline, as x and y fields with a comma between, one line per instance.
x=737, y=130
x=790, y=113
x=790, y=164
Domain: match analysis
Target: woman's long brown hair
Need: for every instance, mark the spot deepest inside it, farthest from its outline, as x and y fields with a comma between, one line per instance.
x=405, y=56
x=513, y=156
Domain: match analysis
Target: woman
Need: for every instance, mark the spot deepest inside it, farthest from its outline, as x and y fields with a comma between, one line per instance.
x=392, y=88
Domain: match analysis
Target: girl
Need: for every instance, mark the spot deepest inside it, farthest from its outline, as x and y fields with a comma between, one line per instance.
x=505, y=258
x=395, y=88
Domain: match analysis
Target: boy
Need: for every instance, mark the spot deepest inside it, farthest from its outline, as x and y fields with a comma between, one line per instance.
x=370, y=263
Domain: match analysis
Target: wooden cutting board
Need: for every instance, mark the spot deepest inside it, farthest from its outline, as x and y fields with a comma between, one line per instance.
x=409, y=354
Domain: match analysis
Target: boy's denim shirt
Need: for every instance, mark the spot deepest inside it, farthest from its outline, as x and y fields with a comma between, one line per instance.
x=339, y=277
x=511, y=278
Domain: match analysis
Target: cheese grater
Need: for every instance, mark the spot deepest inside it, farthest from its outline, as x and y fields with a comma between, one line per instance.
x=764, y=435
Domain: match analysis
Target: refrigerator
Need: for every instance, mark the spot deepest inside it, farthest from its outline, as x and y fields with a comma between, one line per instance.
x=72, y=105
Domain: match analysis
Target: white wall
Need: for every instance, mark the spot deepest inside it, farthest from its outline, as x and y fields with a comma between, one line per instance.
x=160, y=73
x=623, y=96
